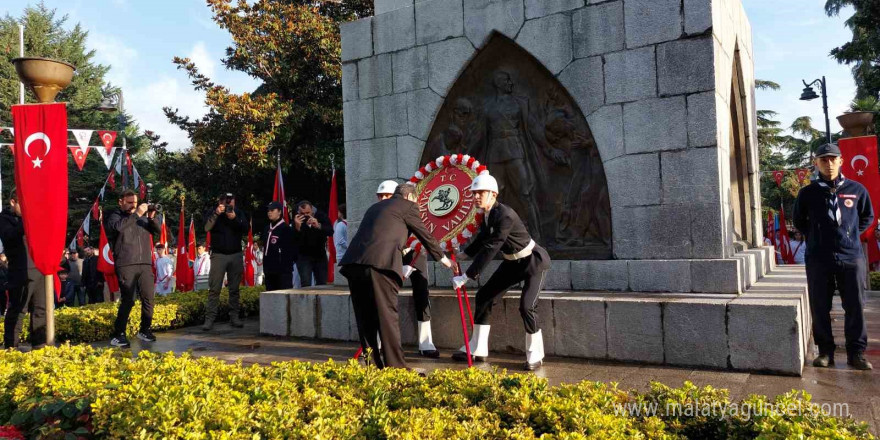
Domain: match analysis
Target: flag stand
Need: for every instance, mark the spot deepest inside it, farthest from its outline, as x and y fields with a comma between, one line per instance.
x=49, y=285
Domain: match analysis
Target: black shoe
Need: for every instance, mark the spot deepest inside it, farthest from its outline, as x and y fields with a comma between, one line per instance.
x=208, y=325
x=823, y=361
x=146, y=336
x=532, y=366
x=236, y=322
x=120, y=341
x=429, y=353
x=462, y=357
x=858, y=362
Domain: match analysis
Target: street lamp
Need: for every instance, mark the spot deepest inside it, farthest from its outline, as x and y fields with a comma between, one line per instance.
x=809, y=94
x=114, y=102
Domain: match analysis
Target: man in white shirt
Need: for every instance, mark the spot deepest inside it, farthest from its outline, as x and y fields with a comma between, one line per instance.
x=202, y=267
x=164, y=272
x=798, y=247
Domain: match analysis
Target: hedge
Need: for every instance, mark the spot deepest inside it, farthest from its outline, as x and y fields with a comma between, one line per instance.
x=84, y=392
x=875, y=281
x=94, y=322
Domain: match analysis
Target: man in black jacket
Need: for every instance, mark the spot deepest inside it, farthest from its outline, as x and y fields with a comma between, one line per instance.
x=92, y=278
x=130, y=229
x=227, y=225
x=524, y=260
x=26, y=288
x=310, y=231
x=373, y=265
x=832, y=212
x=278, y=257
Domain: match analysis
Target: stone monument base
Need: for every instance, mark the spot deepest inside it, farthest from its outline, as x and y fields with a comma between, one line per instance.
x=764, y=329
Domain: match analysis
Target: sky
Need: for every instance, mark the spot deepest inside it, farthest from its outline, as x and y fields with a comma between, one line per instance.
x=139, y=38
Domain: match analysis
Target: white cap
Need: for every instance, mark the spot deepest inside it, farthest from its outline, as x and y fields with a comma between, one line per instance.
x=484, y=182
x=386, y=187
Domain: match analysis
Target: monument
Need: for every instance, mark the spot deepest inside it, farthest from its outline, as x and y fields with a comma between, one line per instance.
x=623, y=133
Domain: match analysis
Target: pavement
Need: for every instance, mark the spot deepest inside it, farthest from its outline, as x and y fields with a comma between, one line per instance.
x=859, y=390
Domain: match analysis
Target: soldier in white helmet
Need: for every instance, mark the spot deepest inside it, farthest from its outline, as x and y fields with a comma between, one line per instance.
x=503, y=231
x=386, y=190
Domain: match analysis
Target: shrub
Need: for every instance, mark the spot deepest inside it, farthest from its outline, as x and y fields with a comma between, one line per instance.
x=875, y=281
x=99, y=393
x=94, y=322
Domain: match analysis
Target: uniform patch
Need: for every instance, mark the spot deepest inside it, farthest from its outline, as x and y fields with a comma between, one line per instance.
x=848, y=203
x=848, y=196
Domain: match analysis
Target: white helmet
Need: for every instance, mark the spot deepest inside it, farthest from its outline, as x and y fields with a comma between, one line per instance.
x=387, y=187
x=484, y=182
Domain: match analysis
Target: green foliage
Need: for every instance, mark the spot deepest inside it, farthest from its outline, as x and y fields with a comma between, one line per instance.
x=875, y=280
x=111, y=394
x=863, y=51
x=94, y=322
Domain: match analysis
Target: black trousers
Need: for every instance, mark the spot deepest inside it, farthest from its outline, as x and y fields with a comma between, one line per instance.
x=531, y=271
x=420, y=296
x=31, y=297
x=135, y=278
x=374, y=297
x=307, y=266
x=849, y=277
x=278, y=281
x=95, y=293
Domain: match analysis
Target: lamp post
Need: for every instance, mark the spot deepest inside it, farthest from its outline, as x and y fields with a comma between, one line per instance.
x=108, y=105
x=809, y=94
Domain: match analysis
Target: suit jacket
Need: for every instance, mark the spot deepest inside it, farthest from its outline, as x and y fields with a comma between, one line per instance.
x=501, y=231
x=382, y=235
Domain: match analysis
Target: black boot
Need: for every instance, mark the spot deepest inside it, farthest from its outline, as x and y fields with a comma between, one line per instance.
x=823, y=361
x=858, y=362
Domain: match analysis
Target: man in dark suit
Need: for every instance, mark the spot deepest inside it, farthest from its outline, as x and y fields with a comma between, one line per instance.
x=373, y=265
x=524, y=260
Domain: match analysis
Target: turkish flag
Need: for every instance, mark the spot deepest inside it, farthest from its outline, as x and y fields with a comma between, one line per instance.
x=777, y=176
x=249, y=278
x=108, y=138
x=112, y=180
x=182, y=268
x=860, y=164
x=41, y=179
x=278, y=193
x=333, y=213
x=79, y=155
x=95, y=208
x=803, y=174
x=191, y=254
x=163, y=234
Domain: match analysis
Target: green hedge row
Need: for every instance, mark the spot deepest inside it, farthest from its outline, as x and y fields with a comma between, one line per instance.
x=94, y=322
x=875, y=281
x=80, y=391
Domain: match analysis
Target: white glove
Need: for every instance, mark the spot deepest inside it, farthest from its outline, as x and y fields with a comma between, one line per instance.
x=459, y=281
x=407, y=271
x=446, y=262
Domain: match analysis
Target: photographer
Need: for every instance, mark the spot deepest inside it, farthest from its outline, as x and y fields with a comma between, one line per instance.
x=227, y=225
x=310, y=231
x=129, y=230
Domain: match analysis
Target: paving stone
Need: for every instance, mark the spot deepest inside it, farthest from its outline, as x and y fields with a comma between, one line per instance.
x=302, y=316
x=716, y=276
x=559, y=276
x=421, y=108
x=702, y=121
x=660, y=276
x=598, y=29
x=658, y=232
x=652, y=21
x=583, y=80
x=357, y=119
x=390, y=114
x=334, y=316
x=695, y=333
x=606, y=124
x=446, y=59
x=686, y=66
x=357, y=39
x=383, y=6
x=634, y=180
x=394, y=30
x=409, y=152
x=691, y=176
x=599, y=275
x=635, y=331
x=482, y=17
x=580, y=328
x=765, y=334
x=540, y=8
x=630, y=75
x=655, y=125
x=697, y=16
x=438, y=20
x=549, y=40
x=273, y=314
x=374, y=76
x=349, y=81
x=410, y=69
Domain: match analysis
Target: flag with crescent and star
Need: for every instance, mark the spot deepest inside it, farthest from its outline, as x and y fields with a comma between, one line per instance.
x=41, y=179
x=860, y=164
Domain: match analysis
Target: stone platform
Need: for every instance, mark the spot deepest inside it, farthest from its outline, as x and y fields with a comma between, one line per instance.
x=764, y=329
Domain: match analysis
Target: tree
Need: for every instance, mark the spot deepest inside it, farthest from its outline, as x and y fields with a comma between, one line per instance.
x=863, y=51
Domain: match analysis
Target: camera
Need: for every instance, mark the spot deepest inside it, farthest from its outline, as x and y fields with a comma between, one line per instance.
x=154, y=207
x=227, y=202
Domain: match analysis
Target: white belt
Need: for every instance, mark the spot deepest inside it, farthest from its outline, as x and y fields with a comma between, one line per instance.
x=525, y=252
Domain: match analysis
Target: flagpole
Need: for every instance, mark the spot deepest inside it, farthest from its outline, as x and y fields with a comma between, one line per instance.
x=21, y=54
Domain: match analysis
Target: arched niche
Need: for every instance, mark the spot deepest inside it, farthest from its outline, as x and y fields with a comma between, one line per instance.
x=514, y=116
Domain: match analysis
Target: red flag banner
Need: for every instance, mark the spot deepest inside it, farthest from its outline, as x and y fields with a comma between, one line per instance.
x=106, y=264
x=182, y=268
x=278, y=194
x=249, y=278
x=108, y=138
x=95, y=212
x=771, y=229
x=860, y=164
x=112, y=180
x=79, y=156
x=163, y=235
x=41, y=179
x=191, y=255
x=333, y=213
x=785, y=240
x=777, y=176
x=803, y=174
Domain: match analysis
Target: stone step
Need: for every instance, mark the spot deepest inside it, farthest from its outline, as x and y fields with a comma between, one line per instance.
x=764, y=329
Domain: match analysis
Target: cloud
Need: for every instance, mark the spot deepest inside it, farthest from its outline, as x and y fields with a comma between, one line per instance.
x=202, y=59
